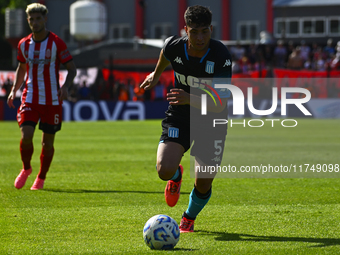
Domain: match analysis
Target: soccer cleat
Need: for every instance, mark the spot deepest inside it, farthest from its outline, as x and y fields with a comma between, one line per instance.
x=22, y=178
x=186, y=225
x=38, y=184
x=172, y=190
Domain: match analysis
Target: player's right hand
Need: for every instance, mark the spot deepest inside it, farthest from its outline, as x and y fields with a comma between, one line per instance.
x=10, y=100
x=149, y=82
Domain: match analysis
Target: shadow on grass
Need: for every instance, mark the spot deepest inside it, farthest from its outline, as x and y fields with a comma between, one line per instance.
x=319, y=242
x=181, y=249
x=105, y=191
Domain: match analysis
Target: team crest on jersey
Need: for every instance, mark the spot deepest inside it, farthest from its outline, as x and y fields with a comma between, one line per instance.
x=48, y=53
x=173, y=132
x=209, y=67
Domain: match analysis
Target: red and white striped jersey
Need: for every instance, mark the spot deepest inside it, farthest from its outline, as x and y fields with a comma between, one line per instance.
x=42, y=60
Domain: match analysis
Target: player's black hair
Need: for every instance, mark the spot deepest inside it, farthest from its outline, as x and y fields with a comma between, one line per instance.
x=198, y=15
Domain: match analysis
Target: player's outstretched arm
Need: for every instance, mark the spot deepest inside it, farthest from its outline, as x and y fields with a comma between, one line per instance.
x=19, y=79
x=152, y=79
x=72, y=72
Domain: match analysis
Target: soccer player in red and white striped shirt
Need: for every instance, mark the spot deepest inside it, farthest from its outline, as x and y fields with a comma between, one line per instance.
x=40, y=55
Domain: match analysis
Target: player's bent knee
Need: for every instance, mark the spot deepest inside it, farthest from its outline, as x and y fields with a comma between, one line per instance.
x=166, y=172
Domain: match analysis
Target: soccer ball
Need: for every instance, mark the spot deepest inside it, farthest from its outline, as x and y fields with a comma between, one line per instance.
x=161, y=232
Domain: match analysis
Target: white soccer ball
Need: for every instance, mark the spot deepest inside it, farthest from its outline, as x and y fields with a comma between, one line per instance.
x=161, y=232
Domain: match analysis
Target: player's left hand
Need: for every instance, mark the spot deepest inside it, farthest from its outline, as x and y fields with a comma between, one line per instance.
x=63, y=93
x=178, y=97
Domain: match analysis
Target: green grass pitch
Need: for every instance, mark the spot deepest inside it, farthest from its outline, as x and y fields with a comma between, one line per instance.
x=102, y=187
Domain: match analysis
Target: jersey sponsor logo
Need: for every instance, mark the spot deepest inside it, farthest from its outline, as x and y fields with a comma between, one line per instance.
x=173, y=132
x=39, y=61
x=178, y=60
x=209, y=67
x=193, y=81
x=227, y=63
x=36, y=52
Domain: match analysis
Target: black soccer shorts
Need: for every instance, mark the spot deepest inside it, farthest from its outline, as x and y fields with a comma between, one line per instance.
x=208, y=141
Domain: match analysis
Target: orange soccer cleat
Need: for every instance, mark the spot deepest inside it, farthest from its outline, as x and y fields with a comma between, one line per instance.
x=186, y=225
x=172, y=190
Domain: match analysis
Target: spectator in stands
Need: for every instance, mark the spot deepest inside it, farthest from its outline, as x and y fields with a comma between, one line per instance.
x=7, y=86
x=295, y=60
x=309, y=65
x=280, y=55
x=123, y=94
x=268, y=55
x=244, y=64
x=84, y=92
x=304, y=50
x=95, y=86
x=238, y=51
x=290, y=49
x=253, y=55
x=114, y=91
x=314, y=51
x=235, y=65
x=320, y=64
x=329, y=49
x=130, y=86
x=317, y=54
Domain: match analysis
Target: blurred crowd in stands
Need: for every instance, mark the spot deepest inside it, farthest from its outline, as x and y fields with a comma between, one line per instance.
x=246, y=59
x=286, y=55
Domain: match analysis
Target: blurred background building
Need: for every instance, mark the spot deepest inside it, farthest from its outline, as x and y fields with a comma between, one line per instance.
x=124, y=22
